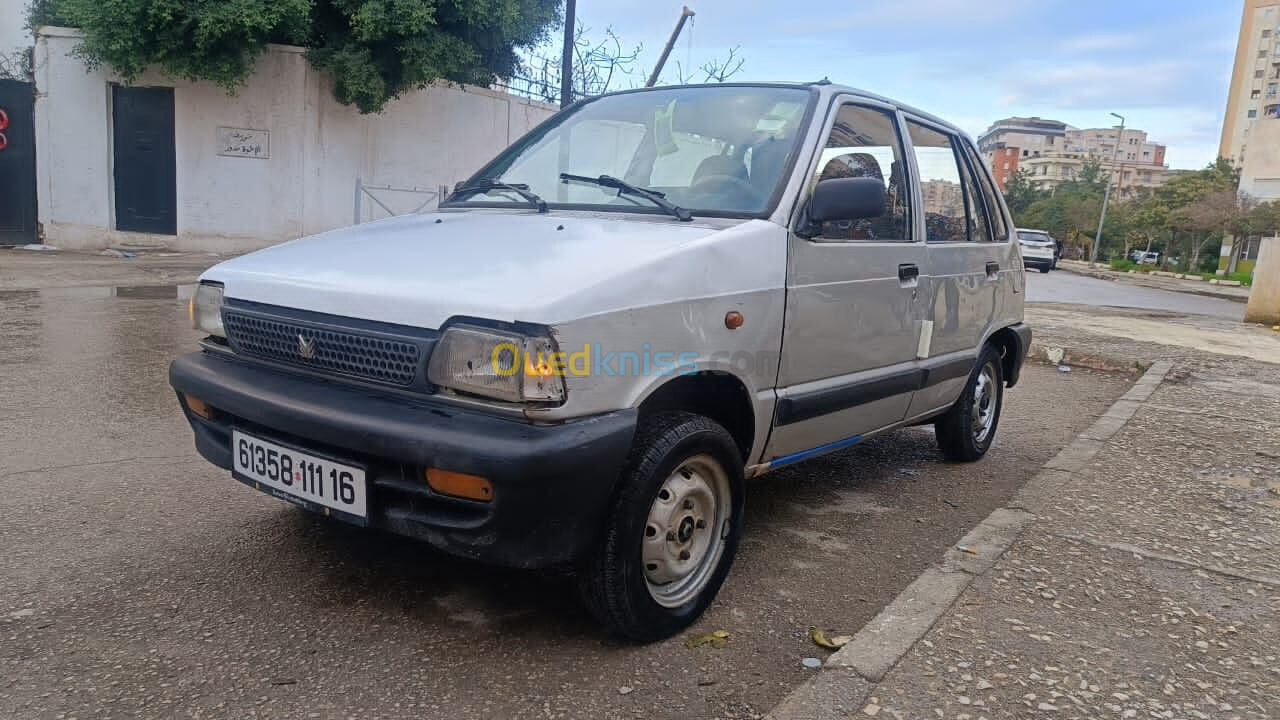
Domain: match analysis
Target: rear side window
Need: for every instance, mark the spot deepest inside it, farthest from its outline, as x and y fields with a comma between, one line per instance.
x=947, y=200
x=864, y=142
x=979, y=226
x=995, y=211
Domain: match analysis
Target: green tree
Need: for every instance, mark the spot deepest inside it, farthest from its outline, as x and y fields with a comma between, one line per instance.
x=373, y=50
x=1091, y=173
x=1020, y=193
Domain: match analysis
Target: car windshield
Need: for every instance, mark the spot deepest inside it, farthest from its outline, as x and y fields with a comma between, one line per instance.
x=1033, y=236
x=719, y=149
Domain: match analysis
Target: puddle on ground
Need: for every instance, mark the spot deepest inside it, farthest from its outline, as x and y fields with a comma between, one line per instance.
x=125, y=292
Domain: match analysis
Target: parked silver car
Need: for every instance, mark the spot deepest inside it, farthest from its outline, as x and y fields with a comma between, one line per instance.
x=583, y=353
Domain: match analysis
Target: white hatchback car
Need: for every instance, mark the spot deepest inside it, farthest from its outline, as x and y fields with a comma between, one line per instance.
x=582, y=354
x=1039, y=250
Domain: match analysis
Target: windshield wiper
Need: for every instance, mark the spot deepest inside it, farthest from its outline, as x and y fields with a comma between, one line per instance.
x=490, y=184
x=622, y=186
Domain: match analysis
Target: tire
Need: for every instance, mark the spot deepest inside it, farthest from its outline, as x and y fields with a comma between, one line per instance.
x=1045, y=268
x=966, y=430
x=661, y=561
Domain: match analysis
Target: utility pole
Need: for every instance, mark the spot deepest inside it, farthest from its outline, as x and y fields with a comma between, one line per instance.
x=566, y=59
x=1106, y=195
x=685, y=14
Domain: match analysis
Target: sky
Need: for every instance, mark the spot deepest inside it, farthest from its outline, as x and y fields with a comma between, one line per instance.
x=1163, y=64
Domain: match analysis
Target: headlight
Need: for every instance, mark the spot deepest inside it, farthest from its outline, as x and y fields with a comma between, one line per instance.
x=496, y=364
x=206, y=309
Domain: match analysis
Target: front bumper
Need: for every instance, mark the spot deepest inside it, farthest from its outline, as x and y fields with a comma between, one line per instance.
x=553, y=484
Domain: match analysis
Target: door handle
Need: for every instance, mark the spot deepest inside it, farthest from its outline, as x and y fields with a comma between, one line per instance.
x=908, y=274
x=993, y=269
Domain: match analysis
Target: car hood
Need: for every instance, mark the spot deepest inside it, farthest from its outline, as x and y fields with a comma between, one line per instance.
x=421, y=270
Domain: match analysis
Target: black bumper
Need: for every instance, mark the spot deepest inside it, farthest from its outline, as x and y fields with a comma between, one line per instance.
x=1013, y=369
x=553, y=484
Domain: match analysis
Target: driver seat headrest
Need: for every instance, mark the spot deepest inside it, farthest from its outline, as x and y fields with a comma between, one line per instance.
x=720, y=165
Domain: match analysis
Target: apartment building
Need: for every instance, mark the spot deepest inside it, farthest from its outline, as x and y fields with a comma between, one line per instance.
x=1007, y=142
x=1054, y=153
x=1254, y=93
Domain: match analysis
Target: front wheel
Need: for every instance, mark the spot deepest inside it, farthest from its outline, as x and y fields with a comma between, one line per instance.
x=966, y=430
x=673, y=531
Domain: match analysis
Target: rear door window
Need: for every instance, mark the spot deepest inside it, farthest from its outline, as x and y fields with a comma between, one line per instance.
x=948, y=201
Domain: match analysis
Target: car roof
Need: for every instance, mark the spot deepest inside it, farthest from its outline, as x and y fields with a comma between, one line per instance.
x=1046, y=232
x=825, y=87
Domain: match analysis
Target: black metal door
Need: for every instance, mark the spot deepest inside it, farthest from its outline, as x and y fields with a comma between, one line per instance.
x=145, y=170
x=17, y=163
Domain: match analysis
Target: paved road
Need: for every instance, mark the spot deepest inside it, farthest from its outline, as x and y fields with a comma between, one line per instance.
x=1066, y=287
x=137, y=581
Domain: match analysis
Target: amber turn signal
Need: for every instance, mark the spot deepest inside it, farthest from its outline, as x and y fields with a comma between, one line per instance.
x=733, y=320
x=471, y=487
x=198, y=406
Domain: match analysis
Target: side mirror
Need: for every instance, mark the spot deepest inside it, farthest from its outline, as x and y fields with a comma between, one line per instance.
x=847, y=199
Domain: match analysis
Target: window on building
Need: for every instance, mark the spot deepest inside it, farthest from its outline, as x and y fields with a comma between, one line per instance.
x=1271, y=90
x=1258, y=73
x=1262, y=53
x=1266, y=33
x=1146, y=154
x=1255, y=94
x=1253, y=113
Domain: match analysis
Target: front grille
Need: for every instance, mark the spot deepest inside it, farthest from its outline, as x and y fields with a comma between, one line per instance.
x=334, y=350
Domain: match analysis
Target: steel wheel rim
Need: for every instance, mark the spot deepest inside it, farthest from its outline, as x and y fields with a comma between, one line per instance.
x=984, y=403
x=684, y=533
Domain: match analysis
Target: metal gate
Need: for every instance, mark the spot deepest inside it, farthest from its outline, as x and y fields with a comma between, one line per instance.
x=145, y=159
x=17, y=163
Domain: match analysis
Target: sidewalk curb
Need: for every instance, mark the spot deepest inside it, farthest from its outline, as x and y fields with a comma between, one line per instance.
x=1113, y=276
x=1055, y=355
x=849, y=676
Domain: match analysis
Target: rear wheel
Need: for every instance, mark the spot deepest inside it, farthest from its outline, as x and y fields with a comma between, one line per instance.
x=1045, y=268
x=966, y=430
x=673, y=531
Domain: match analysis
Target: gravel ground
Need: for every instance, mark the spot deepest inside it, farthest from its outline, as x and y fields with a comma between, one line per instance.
x=139, y=581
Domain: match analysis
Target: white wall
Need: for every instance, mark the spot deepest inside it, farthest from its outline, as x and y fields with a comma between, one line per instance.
x=1260, y=175
x=14, y=36
x=317, y=150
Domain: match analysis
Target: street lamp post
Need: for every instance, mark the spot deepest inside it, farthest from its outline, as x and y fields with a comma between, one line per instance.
x=1106, y=194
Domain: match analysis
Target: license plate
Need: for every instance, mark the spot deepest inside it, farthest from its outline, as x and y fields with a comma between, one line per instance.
x=299, y=477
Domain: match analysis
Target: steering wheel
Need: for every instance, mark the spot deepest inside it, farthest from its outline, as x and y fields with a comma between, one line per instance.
x=725, y=185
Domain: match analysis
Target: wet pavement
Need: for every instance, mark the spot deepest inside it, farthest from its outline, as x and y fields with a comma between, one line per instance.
x=139, y=581
x=1066, y=287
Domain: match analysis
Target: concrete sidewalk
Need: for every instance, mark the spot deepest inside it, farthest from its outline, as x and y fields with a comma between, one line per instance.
x=1136, y=575
x=1197, y=286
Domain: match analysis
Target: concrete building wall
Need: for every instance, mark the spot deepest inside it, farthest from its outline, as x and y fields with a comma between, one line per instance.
x=1254, y=78
x=1004, y=163
x=317, y=149
x=1260, y=173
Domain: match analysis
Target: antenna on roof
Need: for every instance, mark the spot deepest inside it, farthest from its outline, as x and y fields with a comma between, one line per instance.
x=824, y=81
